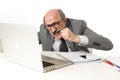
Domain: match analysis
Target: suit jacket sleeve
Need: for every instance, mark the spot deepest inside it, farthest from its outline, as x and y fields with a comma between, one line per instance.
x=95, y=40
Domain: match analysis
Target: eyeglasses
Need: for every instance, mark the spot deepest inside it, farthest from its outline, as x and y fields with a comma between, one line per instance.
x=54, y=24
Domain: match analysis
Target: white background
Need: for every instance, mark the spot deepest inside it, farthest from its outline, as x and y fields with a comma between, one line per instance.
x=102, y=16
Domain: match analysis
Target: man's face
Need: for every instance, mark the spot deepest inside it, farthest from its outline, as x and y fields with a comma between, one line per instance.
x=54, y=24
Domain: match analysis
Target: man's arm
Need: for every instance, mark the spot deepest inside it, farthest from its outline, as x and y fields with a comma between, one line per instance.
x=86, y=37
x=95, y=40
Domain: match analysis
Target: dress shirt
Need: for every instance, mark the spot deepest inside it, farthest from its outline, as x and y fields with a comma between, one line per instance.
x=83, y=41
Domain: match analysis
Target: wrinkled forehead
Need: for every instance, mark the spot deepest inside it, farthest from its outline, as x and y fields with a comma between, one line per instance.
x=52, y=16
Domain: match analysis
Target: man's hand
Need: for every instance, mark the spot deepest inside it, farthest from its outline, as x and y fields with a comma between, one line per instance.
x=67, y=34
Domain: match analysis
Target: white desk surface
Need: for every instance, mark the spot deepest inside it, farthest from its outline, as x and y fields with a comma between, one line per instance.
x=81, y=71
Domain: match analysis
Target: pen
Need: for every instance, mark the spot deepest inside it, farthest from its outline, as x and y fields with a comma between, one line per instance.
x=112, y=64
x=108, y=62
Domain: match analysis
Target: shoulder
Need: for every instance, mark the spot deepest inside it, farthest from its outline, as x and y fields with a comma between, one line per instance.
x=43, y=30
x=76, y=21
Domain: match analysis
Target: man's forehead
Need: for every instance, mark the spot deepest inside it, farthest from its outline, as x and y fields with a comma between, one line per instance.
x=52, y=16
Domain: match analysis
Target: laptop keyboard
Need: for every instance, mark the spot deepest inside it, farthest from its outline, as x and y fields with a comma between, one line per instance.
x=46, y=64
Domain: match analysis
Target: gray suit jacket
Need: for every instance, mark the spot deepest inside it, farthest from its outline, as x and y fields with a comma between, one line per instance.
x=78, y=27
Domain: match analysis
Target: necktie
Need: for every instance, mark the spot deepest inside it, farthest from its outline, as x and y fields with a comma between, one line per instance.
x=63, y=46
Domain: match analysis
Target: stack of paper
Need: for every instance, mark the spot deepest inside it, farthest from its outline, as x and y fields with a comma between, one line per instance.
x=78, y=57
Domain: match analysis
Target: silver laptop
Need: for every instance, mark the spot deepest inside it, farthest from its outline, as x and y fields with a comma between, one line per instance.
x=20, y=45
x=52, y=61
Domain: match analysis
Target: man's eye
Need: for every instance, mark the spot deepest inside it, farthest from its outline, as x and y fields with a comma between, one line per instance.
x=54, y=24
x=49, y=26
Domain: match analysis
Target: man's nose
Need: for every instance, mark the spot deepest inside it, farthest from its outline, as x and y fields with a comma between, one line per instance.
x=53, y=29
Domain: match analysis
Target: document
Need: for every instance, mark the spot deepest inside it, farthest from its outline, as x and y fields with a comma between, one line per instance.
x=78, y=57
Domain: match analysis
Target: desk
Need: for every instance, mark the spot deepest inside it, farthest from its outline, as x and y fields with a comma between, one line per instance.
x=81, y=71
x=85, y=71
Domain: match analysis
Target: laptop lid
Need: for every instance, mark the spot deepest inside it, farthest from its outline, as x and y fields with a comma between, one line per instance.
x=20, y=44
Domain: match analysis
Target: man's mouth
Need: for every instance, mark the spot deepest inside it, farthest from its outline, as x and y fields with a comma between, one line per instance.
x=56, y=32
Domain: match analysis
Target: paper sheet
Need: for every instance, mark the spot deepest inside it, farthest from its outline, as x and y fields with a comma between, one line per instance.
x=77, y=57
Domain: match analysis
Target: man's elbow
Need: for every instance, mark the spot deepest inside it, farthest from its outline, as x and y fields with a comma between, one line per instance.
x=110, y=46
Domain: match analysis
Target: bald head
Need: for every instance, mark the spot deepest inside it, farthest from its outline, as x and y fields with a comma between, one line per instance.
x=54, y=21
x=54, y=14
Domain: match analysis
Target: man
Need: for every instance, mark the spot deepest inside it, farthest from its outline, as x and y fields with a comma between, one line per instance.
x=77, y=36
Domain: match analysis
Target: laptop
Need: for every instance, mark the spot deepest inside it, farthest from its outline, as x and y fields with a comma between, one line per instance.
x=20, y=45
x=52, y=61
